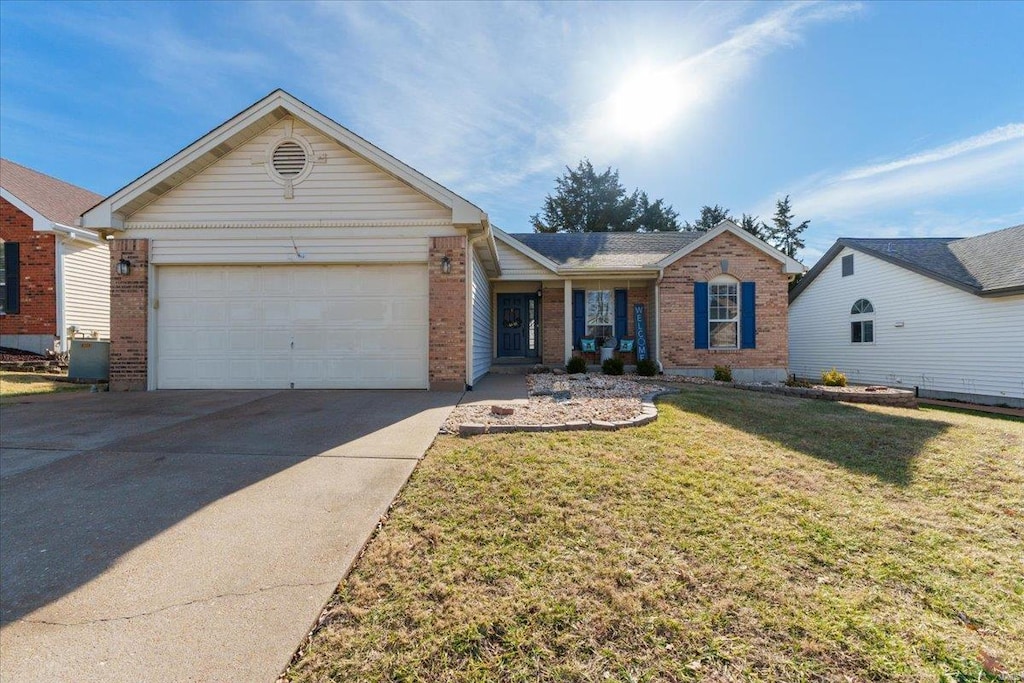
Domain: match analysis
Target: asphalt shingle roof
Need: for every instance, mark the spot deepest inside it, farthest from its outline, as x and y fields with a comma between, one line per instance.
x=58, y=201
x=606, y=249
x=983, y=264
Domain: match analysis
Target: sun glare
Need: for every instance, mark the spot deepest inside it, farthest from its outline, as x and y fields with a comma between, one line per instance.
x=647, y=102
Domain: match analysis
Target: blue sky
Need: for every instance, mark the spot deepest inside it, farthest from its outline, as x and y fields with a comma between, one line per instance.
x=879, y=119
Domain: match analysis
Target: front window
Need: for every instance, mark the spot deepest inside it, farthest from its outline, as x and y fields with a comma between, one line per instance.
x=862, y=324
x=600, y=313
x=724, y=315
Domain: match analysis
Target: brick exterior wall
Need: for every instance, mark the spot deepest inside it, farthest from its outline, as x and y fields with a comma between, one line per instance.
x=128, y=316
x=447, y=358
x=746, y=264
x=552, y=327
x=37, y=313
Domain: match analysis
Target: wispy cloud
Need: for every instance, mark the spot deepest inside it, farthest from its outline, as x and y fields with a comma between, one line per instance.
x=990, y=161
x=996, y=136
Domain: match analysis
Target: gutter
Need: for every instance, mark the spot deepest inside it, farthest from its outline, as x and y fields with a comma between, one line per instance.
x=74, y=233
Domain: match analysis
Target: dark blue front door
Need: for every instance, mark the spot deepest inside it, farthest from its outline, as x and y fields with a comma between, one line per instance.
x=517, y=325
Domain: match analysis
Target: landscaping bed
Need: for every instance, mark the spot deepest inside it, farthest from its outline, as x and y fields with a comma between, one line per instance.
x=876, y=394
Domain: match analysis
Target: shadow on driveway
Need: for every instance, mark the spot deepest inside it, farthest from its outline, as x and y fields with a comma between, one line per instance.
x=112, y=471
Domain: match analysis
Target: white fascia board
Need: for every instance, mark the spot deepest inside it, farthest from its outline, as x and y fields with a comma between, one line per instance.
x=622, y=273
x=790, y=265
x=525, y=250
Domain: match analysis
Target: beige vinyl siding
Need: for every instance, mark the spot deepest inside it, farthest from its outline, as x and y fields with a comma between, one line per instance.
x=482, y=321
x=516, y=266
x=300, y=249
x=86, y=270
x=950, y=341
x=341, y=186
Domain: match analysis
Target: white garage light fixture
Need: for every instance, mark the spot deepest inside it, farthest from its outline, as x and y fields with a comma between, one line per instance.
x=446, y=265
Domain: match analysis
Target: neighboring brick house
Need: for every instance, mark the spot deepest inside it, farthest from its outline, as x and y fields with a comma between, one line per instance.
x=54, y=276
x=281, y=250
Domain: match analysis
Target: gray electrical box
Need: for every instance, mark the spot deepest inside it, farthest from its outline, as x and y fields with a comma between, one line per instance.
x=90, y=359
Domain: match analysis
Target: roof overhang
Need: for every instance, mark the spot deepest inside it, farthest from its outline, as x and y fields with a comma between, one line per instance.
x=41, y=223
x=112, y=211
x=790, y=265
x=526, y=251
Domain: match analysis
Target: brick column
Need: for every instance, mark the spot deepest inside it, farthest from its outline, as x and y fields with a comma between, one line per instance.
x=552, y=326
x=447, y=359
x=129, y=296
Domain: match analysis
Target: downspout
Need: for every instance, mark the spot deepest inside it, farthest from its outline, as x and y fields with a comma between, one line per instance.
x=657, y=320
x=469, y=306
x=64, y=344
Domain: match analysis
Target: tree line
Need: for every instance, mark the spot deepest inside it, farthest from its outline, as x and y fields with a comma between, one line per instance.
x=587, y=201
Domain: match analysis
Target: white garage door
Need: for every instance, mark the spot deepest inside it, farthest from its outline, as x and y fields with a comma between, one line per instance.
x=302, y=327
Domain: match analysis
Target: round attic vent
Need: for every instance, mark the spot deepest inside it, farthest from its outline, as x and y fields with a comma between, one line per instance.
x=289, y=159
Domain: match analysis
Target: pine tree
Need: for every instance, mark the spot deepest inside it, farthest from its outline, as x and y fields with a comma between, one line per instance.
x=782, y=233
x=754, y=225
x=710, y=216
x=587, y=201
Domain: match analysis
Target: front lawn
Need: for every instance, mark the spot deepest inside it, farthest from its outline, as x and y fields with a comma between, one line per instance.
x=740, y=537
x=21, y=383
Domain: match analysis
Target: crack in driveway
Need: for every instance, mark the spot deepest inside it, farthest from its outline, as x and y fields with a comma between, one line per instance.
x=186, y=603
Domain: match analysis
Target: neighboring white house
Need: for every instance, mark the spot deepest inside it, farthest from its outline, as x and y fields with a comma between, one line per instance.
x=54, y=274
x=943, y=315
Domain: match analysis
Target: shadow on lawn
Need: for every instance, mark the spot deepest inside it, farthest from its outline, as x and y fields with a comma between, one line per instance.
x=879, y=444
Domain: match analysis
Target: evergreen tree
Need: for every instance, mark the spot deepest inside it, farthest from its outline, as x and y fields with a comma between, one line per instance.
x=754, y=225
x=782, y=233
x=710, y=216
x=587, y=201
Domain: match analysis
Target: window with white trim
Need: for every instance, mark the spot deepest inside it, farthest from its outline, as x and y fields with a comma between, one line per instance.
x=600, y=313
x=862, y=323
x=724, y=313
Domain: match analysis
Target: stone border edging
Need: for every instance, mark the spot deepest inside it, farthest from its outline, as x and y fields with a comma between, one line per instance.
x=900, y=399
x=648, y=414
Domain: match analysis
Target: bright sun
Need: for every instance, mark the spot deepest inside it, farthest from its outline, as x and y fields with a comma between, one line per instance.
x=646, y=102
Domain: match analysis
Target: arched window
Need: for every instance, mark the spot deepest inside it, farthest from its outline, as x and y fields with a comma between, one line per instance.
x=862, y=323
x=724, y=313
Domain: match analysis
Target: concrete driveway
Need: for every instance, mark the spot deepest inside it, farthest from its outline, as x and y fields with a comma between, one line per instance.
x=189, y=536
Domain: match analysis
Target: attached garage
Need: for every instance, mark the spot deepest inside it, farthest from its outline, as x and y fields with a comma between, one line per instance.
x=282, y=251
x=299, y=327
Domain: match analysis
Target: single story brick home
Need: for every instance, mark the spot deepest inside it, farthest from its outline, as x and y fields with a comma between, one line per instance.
x=942, y=315
x=281, y=250
x=54, y=275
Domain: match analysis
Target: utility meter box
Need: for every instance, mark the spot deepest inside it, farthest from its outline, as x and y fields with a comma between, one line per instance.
x=90, y=359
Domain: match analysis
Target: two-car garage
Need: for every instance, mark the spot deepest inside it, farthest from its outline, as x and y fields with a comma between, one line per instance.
x=290, y=326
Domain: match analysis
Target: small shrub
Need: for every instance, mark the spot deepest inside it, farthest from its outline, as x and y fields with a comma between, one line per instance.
x=723, y=373
x=833, y=378
x=646, y=368
x=576, y=365
x=792, y=381
x=612, y=366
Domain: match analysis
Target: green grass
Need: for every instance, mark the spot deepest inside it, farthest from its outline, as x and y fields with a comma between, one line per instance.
x=23, y=383
x=740, y=537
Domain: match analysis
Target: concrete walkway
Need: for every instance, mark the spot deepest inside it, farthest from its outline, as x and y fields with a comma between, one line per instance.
x=503, y=389
x=189, y=536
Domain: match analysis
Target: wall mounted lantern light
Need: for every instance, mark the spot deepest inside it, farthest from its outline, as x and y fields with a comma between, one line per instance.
x=446, y=265
x=540, y=293
x=124, y=267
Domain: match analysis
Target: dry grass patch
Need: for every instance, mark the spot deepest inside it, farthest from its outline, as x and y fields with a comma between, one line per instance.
x=21, y=383
x=741, y=537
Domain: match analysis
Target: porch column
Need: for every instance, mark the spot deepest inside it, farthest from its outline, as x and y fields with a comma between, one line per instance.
x=568, y=319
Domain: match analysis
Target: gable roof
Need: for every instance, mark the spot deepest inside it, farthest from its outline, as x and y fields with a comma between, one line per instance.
x=54, y=200
x=991, y=264
x=110, y=212
x=605, y=250
x=567, y=252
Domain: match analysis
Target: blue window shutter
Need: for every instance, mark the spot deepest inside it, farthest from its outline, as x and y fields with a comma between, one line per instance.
x=748, y=316
x=621, y=313
x=579, y=311
x=700, y=315
x=13, y=274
